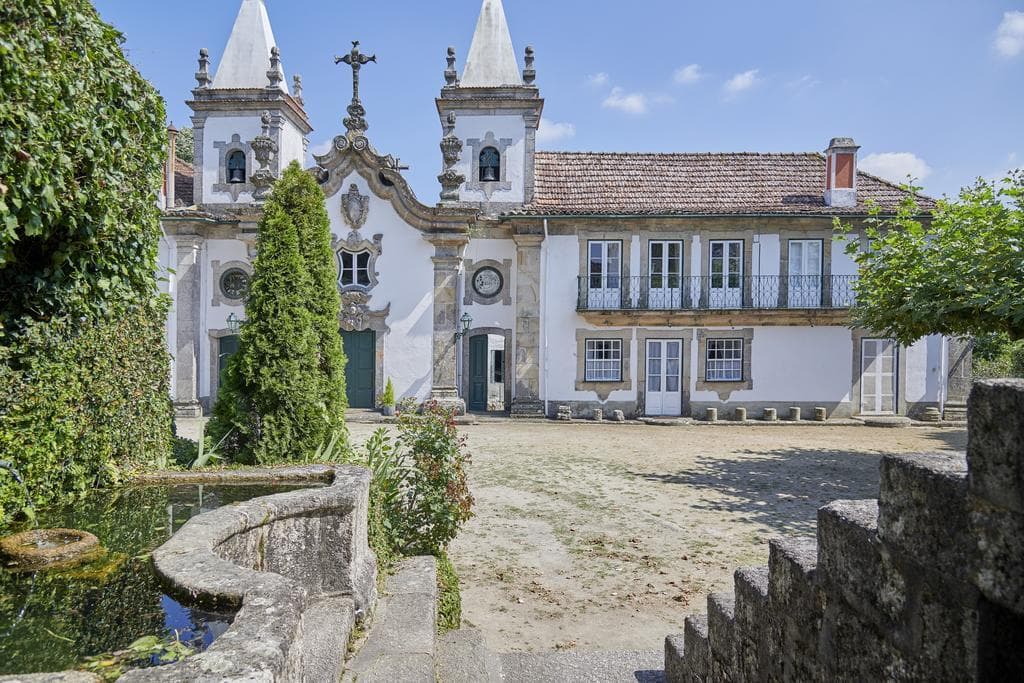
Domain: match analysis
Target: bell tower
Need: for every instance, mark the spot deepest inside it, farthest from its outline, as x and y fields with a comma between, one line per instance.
x=248, y=126
x=493, y=111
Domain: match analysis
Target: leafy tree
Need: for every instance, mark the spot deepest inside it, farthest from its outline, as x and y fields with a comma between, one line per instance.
x=959, y=272
x=304, y=201
x=272, y=406
x=185, y=148
x=81, y=152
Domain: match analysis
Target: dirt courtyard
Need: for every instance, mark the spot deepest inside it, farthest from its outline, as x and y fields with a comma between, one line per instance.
x=606, y=536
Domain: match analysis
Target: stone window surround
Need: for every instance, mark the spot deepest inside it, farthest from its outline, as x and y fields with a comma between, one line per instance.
x=603, y=389
x=224, y=149
x=476, y=146
x=471, y=296
x=215, y=336
x=623, y=237
x=857, y=335
x=685, y=334
x=355, y=245
x=684, y=236
x=219, y=268
x=725, y=389
x=826, y=237
x=476, y=332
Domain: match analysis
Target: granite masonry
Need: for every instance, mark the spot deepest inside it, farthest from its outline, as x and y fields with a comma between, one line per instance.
x=925, y=583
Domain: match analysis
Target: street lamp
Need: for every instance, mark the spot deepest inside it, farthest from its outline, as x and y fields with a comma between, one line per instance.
x=467, y=322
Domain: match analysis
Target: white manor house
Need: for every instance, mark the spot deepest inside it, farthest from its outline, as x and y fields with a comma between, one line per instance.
x=654, y=284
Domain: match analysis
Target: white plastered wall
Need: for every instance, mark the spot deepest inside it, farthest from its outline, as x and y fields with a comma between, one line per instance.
x=497, y=314
x=476, y=124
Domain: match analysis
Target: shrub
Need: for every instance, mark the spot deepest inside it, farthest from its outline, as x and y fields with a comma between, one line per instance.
x=387, y=399
x=449, y=607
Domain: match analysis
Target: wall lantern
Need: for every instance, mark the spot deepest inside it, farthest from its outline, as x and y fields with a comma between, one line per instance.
x=467, y=322
x=234, y=323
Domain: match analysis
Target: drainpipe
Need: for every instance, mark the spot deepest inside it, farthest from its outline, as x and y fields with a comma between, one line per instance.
x=543, y=313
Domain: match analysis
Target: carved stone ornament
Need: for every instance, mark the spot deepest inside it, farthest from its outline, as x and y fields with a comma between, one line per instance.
x=356, y=121
x=355, y=207
x=451, y=76
x=203, y=75
x=451, y=148
x=264, y=148
x=355, y=310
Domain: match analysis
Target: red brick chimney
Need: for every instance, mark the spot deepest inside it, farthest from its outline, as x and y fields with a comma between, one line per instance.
x=841, y=173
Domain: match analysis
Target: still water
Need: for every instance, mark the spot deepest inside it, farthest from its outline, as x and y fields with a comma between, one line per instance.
x=50, y=621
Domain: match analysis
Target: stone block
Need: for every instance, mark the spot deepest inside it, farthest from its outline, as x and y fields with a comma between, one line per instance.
x=820, y=414
x=923, y=511
x=999, y=554
x=598, y=415
x=712, y=415
x=854, y=650
x=795, y=608
x=751, y=622
x=931, y=414
x=564, y=413
x=676, y=670
x=740, y=414
x=995, y=443
x=770, y=415
x=854, y=564
x=722, y=636
x=794, y=413
x=618, y=416
x=697, y=648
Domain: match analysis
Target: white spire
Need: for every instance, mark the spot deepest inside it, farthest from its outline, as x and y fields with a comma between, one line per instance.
x=246, y=58
x=492, y=60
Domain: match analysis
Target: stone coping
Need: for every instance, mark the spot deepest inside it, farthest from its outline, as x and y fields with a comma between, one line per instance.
x=269, y=558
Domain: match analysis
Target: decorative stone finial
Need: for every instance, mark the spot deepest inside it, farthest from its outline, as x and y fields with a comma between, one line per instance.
x=297, y=88
x=356, y=121
x=203, y=75
x=451, y=148
x=451, y=76
x=275, y=75
x=264, y=149
x=529, y=73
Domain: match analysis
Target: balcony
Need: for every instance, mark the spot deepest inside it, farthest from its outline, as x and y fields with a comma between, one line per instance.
x=716, y=299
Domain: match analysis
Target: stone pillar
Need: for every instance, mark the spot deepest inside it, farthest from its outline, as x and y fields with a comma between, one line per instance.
x=186, y=304
x=448, y=251
x=959, y=378
x=526, y=401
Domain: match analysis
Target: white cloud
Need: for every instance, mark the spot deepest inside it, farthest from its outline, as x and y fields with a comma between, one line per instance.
x=597, y=80
x=553, y=131
x=631, y=103
x=896, y=166
x=803, y=83
x=1010, y=35
x=688, y=75
x=742, y=82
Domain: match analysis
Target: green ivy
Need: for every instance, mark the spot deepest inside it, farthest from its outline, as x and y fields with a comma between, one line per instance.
x=81, y=147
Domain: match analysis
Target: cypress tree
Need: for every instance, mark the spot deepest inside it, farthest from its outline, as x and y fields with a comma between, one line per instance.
x=303, y=199
x=270, y=407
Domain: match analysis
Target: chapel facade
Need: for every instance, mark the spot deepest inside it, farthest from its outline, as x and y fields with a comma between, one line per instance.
x=654, y=284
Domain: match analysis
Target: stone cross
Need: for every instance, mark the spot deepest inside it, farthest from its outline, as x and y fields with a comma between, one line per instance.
x=356, y=60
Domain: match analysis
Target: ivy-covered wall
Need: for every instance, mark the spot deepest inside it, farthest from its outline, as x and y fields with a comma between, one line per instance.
x=83, y=370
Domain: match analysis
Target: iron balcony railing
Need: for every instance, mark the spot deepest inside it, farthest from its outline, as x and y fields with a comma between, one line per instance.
x=714, y=292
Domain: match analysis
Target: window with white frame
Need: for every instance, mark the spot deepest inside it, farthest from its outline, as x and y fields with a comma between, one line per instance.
x=355, y=269
x=724, y=360
x=604, y=360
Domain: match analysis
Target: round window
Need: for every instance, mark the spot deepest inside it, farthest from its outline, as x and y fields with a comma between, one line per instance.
x=234, y=284
x=488, y=282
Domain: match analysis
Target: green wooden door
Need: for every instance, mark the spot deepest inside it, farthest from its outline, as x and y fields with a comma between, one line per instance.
x=360, y=349
x=478, y=378
x=227, y=347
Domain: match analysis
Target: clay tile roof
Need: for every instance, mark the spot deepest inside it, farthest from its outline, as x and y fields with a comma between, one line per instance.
x=584, y=183
x=184, y=183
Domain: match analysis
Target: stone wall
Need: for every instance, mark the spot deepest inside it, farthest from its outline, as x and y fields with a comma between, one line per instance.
x=297, y=568
x=926, y=583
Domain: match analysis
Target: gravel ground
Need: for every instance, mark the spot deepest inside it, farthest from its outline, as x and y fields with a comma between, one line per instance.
x=606, y=536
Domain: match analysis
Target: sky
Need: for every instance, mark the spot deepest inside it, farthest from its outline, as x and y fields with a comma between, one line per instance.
x=933, y=88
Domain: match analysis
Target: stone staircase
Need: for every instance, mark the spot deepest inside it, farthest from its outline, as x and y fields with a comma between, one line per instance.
x=926, y=583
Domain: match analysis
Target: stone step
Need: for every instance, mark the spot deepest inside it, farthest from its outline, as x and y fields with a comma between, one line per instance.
x=400, y=645
x=722, y=636
x=326, y=625
x=923, y=510
x=795, y=601
x=583, y=667
x=463, y=657
x=687, y=656
x=751, y=621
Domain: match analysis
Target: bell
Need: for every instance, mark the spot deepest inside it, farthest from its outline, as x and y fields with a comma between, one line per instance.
x=237, y=176
x=489, y=175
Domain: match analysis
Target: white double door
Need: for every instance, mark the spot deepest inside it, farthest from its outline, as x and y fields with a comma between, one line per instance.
x=664, y=377
x=878, y=376
x=604, y=274
x=665, y=266
x=726, y=282
x=804, y=285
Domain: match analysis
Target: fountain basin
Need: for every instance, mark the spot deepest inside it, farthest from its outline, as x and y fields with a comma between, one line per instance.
x=48, y=548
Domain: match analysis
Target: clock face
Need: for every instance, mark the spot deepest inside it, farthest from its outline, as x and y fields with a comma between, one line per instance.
x=487, y=282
